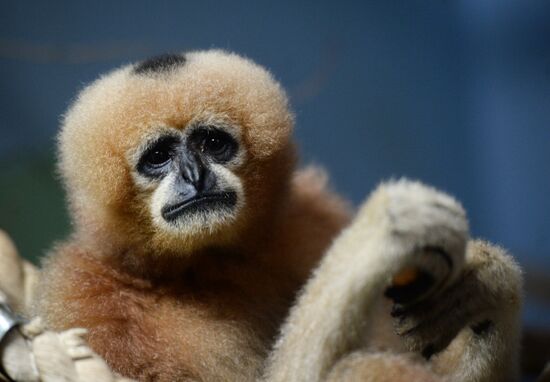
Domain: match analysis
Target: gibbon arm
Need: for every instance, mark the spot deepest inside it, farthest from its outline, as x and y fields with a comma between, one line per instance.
x=465, y=327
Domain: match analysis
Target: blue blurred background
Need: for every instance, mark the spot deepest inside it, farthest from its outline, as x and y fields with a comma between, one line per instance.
x=455, y=93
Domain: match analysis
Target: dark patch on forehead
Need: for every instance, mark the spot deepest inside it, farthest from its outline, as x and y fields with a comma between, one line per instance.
x=159, y=64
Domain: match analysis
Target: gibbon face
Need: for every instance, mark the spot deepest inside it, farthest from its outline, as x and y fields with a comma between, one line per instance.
x=191, y=176
x=177, y=152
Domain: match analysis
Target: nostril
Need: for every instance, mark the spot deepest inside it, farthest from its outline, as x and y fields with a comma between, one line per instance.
x=187, y=174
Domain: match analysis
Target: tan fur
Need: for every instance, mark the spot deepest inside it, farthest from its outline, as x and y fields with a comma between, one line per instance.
x=216, y=322
x=207, y=303
x=165, y=307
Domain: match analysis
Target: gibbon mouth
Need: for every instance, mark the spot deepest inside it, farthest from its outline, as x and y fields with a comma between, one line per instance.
x=199, y=203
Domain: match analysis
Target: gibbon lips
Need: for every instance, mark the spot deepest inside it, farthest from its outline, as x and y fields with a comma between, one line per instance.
x=198, y=203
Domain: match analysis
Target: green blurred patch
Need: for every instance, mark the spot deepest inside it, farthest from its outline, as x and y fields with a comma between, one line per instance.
x=32, y=205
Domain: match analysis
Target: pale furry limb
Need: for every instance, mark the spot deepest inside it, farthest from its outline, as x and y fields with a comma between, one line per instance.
x=332, y=314
x=468, y=330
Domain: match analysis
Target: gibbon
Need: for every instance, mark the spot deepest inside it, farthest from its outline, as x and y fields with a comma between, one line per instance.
x=199, y=253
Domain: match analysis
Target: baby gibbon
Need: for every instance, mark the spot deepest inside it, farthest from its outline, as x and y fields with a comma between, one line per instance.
x=194, y=233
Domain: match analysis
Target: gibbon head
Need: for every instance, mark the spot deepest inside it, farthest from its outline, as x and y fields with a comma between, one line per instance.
x=178, y=152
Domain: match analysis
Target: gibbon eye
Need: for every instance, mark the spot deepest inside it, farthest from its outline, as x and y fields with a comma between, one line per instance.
x=214, y=145
x=158, y=156
x=217, y=144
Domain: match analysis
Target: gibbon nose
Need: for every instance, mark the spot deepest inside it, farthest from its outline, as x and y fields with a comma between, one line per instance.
x=195, y=173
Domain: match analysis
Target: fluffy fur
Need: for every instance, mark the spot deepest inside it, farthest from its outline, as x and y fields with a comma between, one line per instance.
x=189, y=303
x=204, y=299
x=471, y=322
